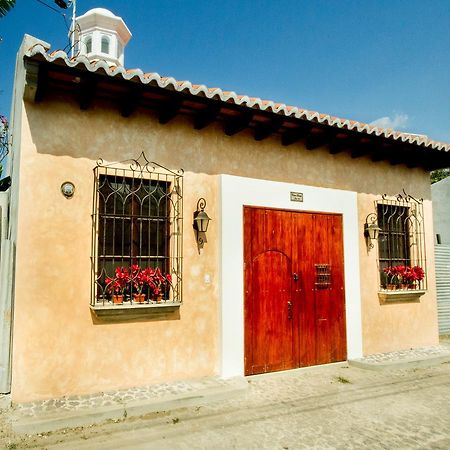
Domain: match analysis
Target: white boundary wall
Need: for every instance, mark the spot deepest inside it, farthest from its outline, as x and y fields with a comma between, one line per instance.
x=442, y=253
x=237, y=192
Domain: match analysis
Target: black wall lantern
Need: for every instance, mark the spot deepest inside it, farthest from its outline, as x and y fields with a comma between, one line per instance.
x=201, y=222
x=371, y=229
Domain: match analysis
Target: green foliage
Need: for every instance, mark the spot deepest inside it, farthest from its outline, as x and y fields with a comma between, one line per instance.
x=438, y=175
x=6, y=6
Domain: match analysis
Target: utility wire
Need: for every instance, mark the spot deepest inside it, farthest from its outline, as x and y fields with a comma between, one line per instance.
x=69, y=46
x=56, y=11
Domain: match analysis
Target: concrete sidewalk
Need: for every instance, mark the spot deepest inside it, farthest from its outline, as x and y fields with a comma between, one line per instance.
x=405, y=359
x=81, y=411
x=70, y=412
x=327, y=407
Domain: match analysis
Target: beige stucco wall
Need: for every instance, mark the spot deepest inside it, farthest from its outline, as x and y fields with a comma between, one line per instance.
x=389, y=326
x=59, y=349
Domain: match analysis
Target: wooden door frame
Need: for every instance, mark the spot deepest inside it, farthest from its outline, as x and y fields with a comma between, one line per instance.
x=237, y=192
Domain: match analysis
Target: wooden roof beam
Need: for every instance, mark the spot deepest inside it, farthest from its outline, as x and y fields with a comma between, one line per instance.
x=42, y=85
x=441, y=160
x=206, y=116
x=399, y=156
x=36, y=81
x=234, y=125
x=86, y=91
x=295, y=134
x=169, y=109
x=381, y=152
x=317, y=137
x=340, y=143
x=130, y=101
x=264, y=129
x=364, y=146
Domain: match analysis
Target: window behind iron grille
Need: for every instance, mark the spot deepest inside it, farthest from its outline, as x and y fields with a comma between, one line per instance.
x=401, y=240
x=133, y=223
x=393, y=240
x=137, y=218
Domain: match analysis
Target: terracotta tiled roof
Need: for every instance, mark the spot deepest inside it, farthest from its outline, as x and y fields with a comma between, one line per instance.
x=39, y=50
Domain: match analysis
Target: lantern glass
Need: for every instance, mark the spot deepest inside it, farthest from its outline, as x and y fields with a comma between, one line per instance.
x=372, y=231
x=202, y=221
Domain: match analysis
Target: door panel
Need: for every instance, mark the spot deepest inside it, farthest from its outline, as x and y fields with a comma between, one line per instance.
x=269, y=343
x=322, y=296
x=338, y=331
x=302, y=251
x=294, y=289
x=272, y=345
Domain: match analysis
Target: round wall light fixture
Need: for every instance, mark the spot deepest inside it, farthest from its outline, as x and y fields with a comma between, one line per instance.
x=68, y=189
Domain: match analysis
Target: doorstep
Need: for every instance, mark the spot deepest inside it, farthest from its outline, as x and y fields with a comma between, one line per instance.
x=70, y=412
x=405, y=359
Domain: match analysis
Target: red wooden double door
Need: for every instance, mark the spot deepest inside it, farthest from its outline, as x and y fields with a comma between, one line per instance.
x=294, y=289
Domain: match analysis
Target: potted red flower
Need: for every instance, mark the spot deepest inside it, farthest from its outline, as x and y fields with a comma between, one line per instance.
x=157, y=283
x=139, y=280
x=392, y=274
x=135, y=280
x=412, y=275
x=117, y=286
x=403, y=277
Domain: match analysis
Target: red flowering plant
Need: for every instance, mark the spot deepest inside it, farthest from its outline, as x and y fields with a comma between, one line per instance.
x=118, y=285
x=413, y=274
x=393, y=275
x=404, y=275
x=158, y=282
x=136, y=281
x=138, y=278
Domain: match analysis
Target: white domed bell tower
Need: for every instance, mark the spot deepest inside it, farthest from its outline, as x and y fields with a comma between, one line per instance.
x=102, y=36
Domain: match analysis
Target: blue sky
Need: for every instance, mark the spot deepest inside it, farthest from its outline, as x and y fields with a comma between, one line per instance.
x=385, y=60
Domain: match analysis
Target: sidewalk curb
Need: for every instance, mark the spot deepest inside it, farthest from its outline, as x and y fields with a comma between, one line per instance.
x=404, y=364
x=56, y=420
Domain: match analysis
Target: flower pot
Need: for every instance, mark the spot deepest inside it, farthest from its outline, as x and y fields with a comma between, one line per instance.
x=404, y=286
x=391, y=287
x=138, y=298
x=158, y=298
x=117, y=299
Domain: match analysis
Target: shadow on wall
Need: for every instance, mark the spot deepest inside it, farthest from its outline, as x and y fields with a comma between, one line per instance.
x=58, y=127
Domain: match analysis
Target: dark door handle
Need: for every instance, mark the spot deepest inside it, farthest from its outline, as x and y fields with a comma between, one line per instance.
x=289, y=304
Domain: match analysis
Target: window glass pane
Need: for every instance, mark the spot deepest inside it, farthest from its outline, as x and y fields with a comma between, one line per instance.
x=105, y=44
x=393, y=241
x=133, y=221
x=88, y=44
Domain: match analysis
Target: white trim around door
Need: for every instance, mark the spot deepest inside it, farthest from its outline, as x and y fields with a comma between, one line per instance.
x=237, y=192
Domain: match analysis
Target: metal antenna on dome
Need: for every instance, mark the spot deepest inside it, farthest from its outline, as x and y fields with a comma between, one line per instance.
x=64, y=5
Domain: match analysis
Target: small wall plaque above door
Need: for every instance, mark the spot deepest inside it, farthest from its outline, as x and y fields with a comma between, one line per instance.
x=296, y=196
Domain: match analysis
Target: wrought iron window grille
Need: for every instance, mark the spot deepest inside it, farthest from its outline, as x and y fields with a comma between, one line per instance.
x=401, y=242
x=4, y=141
x=137, y=220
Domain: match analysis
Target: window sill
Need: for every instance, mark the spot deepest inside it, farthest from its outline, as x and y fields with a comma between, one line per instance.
x=401, y=296
x=136, y=311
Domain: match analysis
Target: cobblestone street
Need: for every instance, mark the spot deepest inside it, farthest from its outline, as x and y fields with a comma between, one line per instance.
x=333, y=406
